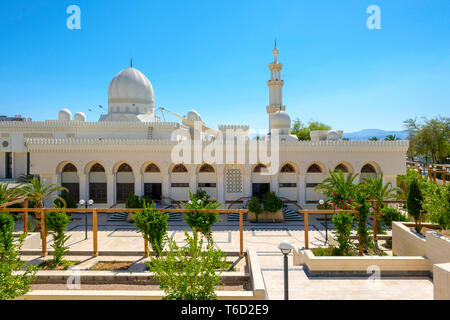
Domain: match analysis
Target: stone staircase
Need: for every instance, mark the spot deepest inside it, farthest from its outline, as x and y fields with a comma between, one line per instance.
x=290, y=213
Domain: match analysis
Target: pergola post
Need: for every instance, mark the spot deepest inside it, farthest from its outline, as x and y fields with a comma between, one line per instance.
x=306, y=231
x=43, y=233
x=95, y=232
x=25, y=216
x=241, y=234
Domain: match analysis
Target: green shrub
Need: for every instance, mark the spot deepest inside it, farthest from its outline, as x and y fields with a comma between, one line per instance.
x=69, y=201
x=437, y=206
x=255, y=206
x=388, y=215
x=343, y=223
x=12, y=285
x=271, y=202
x=133, y=201
x=189, y=273
x=414, y=204
x=201, y=221
x=57, y=222
x=153, y=226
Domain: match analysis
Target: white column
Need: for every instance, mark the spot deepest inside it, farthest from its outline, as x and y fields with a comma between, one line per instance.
x=46, y=180
x=165, y=188
x=192, y=180
x=138, y=185
x=84, y=194
x=247, y=177
x=220, y=187
x=301, y=189
x=274, y=184
x=110, y=189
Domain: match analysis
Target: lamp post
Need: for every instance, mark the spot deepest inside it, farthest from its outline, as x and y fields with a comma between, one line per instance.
x=90, y=202
x=286, y=248
x=321, y=202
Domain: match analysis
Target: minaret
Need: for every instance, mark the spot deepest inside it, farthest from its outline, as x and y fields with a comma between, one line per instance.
x=275, y=85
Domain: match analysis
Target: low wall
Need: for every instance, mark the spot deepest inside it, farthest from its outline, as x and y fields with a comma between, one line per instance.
x=360, y=265
x=441, y=281
x=266, y=216
x=407, y=242
x=437, y=247
x=32, y=240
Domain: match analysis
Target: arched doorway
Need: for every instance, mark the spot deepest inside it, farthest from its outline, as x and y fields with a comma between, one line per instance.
x=207, y=179
x=97, y=184
x=260, y=181
x=287, y=184
x=179, y=182
x=314, y=176
x=71, y=181
x=124, y=182
x=368, y=170
x=152, y=182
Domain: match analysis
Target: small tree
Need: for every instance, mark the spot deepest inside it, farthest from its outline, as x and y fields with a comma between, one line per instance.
x=255, y=206
x=201, y=221
x=69, y=201
x=189, y=273
x=11, y=285
x=57, y=222
x=133, y=201
x=153, y=226
x=414, y=204
x=343, y=222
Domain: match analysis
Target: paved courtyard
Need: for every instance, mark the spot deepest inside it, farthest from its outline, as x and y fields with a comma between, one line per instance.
x=264, y=239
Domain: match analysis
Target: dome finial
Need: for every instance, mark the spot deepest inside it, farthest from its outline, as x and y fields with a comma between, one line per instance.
x=275, y=52
x=131, y=62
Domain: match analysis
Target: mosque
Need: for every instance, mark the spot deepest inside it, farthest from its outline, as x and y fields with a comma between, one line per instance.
x=130, y=149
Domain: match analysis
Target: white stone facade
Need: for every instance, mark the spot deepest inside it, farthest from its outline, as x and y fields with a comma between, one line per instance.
x=114, y=155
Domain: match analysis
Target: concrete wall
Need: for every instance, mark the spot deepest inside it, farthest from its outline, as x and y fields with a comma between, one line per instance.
x=441, y=281
x=406, y=242
x=437, y=248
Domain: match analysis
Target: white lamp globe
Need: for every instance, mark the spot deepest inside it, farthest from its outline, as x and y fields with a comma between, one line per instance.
x=321, y=202
x=285, y=247
x=82, y=202
x=90, y=202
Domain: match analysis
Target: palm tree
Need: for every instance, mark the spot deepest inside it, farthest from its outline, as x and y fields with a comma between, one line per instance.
x=338, y=184
x=8, y=193
x=391, y=137
x=32, y=189
x=373, y=139
x=379, y=191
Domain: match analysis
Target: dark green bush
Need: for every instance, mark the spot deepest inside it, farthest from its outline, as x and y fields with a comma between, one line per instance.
x=414, y=204
x=271, y=202
x=255, y=206
x=70, y=202
x=388, y=215
x=133, y=201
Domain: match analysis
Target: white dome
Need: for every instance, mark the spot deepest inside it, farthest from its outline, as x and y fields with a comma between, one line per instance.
x=65, y=115
x=333, y=135
x=193, y=115
x=79, y=116
x=280, y=120
x=131, y=86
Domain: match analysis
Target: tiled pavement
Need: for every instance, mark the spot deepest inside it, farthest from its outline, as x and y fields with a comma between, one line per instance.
x=264, y=239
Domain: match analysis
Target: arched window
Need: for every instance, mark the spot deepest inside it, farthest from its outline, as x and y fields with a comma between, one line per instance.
x=368, y=168
x=97, y=168
x=69, y=168
x=259, y=167
x=124, y=168
x=152, y=168
x=314, y=168
x=287, y=168
x=179, y=168
x=206, y=168
x=341, y=167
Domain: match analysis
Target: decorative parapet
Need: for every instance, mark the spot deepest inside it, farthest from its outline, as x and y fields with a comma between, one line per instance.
x=344, y=145
x=83, y=124
x=225, y=127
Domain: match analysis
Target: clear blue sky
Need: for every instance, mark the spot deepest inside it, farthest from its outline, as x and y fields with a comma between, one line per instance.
x=212, y=56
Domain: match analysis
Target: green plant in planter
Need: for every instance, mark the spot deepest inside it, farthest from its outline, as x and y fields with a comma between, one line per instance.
x=201, y=221
x=343, y=223
x=389, y=215
x=271, y=202
x=153, y=226
x=414, y=204
x=255, y=206
x=12, y=285
x=189, y=273
x=57, y=222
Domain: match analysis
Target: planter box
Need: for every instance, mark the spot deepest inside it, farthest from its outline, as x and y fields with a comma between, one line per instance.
x=441, y=281
x=361, y=266
x=266, y=216
x=407, y=242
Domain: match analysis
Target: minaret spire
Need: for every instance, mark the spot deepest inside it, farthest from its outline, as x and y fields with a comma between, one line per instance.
x=131, y=62
x=275, y=84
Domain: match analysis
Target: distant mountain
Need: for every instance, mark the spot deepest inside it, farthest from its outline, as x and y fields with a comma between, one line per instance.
x=366, y=134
